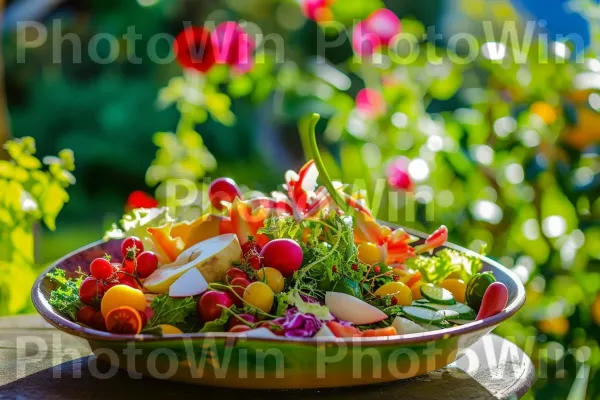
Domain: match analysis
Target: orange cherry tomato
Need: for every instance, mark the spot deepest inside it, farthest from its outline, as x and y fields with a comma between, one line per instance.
x=124, y=320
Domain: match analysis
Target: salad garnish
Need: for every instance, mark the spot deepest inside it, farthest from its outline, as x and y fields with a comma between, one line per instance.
x=310, y=260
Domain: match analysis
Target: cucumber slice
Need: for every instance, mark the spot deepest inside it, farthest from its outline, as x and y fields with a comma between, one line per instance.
x=405, y=326
x=436, y=294
x=437, y=326
x=464, y=311
x=421, y=314
x=420, y=301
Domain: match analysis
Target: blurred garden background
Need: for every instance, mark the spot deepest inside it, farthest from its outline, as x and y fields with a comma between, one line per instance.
x=503, y=150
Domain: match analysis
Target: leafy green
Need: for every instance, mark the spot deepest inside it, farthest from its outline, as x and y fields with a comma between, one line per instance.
x=65, y=298
x=446, y=262
x=176, y=312
x=218, y=325
x=316, y=309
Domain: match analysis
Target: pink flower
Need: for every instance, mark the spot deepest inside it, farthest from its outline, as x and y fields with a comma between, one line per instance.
x=317, y=10
x=233, y=46
x=397, y=174
x=364, y=42
x=385, y=24
x=370, y=103
x=377, y=30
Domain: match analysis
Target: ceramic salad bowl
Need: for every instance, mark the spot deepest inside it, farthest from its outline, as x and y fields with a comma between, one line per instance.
x=265, y=362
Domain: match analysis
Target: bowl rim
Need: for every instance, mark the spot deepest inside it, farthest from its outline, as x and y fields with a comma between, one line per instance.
x=66, y=325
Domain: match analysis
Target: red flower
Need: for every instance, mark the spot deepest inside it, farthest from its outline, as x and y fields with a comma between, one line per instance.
x=194, y=49
x=233, y=46
x=397, y=174
x=139, y=199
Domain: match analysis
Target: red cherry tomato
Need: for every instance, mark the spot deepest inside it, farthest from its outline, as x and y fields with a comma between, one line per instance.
x=211, y=303
x=128, y=266
x=143, y=317
x=129, y=243
x=101, y=268
x=238, y=285
x=251, y=251
x=233, y=273
x=91, y=290
x=98, y=322
x=85, y=315
x=147, y=263
x=129, y=281
x=223, y=189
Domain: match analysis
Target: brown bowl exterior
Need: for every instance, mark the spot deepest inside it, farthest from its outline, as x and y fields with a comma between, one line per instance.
x=227, y=360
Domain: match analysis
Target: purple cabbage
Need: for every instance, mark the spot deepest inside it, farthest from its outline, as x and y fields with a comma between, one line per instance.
x=299, y=325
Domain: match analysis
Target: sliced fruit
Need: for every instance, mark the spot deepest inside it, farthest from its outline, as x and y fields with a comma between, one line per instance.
x=416, y=290
x=123, y=320
x=349, y=308
x=212, y=257
x=198, y=230
x=167, y=247
x=122, y=295
x=422, y=315
x=191, y=283
x=387, y=331
x=170, y=330
x=401, y=293
x=436, y=294
x=343, y=331
x=404, y=326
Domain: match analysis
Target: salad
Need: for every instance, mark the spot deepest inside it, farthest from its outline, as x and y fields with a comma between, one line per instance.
x=307, y=261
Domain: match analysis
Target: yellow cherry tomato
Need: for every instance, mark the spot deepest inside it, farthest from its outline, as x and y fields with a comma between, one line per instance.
x=368, y=253
x=555, y=326
x=170, y=329
x=596, y=310
x=272, y=277
x=457, y=287
x=401, y=292
x=259, y=295
x=122, y=295
x=416, y=290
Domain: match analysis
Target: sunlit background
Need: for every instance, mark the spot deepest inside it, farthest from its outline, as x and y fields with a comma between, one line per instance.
x=503, y=151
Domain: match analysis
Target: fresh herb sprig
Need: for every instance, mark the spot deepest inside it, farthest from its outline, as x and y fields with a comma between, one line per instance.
x=65, y=298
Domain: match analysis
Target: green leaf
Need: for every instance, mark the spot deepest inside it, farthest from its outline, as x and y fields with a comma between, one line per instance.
x=218, y=325
x=171, y=311
x=65, y=298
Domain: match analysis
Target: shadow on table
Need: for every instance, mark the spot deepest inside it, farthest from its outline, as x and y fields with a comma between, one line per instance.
x=74, y=379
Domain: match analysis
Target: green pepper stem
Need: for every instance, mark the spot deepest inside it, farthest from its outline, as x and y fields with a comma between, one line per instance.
x=311, y=133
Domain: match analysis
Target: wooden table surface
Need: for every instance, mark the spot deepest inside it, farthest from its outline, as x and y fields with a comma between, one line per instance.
x=39, y=362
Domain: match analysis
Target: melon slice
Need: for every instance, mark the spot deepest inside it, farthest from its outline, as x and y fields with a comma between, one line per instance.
x=192, y=283
x=212, y=257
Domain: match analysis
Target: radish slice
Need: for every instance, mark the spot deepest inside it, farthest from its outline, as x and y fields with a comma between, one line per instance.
x=191, y=283
x=351, y=309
